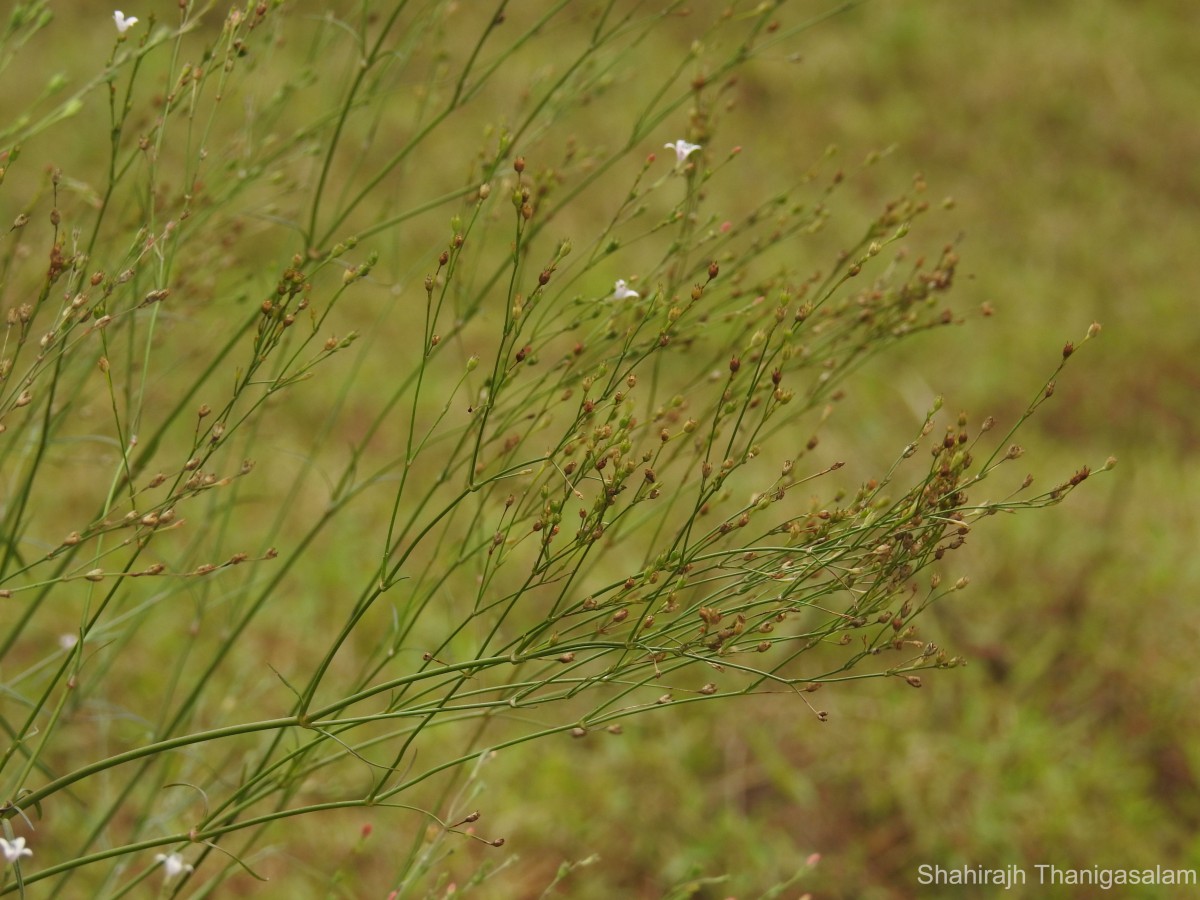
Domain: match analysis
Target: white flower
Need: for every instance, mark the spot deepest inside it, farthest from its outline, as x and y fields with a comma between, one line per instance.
x=68, y=641
x=172, y=864
x=124, y=22
x=622, y=291
x=13, y=850
x=682, y=149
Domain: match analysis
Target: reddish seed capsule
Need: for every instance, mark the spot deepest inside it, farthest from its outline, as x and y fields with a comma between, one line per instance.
x=519, y=164
x=713, y=269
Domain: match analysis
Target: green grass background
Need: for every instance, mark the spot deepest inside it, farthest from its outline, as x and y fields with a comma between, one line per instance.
x=1067, y=135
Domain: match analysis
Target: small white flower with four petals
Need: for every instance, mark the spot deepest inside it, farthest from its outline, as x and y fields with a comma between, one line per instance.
x=682, y=150
x=13, y=850
x=172, y=864
x=124, y=22
x=622, y=291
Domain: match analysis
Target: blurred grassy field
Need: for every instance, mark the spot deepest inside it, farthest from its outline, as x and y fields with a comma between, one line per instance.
x=1067, y=135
